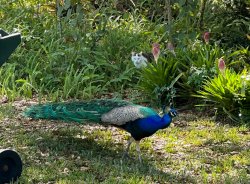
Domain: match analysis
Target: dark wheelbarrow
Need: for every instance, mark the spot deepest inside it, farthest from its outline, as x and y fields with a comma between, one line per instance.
x=10, y=166
x=10, y=161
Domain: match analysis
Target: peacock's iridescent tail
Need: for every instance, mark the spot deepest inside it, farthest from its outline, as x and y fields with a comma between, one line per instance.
x=85, y=111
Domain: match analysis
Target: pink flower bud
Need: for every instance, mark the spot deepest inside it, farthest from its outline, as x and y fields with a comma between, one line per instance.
x=221, y=65
x=156, y=51
x=206, y=37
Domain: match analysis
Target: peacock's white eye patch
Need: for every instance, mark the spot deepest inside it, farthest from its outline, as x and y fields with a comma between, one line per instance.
x=173, y=113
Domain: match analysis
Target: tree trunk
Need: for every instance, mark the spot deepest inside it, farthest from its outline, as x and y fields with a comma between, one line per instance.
x=201, y=14
x=169, y=13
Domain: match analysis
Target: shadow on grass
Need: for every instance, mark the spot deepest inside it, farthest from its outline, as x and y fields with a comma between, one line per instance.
x=102, y=157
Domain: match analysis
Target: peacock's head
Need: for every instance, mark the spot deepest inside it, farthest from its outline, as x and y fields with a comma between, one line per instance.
x=167, y=118
x=172, y=112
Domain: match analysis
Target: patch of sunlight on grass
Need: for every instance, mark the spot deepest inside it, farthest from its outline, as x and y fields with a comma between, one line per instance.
x=171, y=140
x=146, y=144
x=168, y=132
x=243, y=158
x=171, y=148
x=103, y=135
x=203, y=124
x=204, y=176
x=218, y=135
x=196, y=137
x=243, y=128
x=233, y=135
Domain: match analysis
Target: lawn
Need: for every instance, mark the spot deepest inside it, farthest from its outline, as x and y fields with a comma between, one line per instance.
x=194, y=149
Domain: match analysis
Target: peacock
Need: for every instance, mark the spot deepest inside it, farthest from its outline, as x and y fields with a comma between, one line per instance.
x=139, y=121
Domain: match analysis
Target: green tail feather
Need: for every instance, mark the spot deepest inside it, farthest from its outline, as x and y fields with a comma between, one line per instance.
x=80, y=112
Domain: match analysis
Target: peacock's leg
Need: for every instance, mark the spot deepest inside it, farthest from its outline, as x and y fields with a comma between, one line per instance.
x=128, y=146
x=138, y=150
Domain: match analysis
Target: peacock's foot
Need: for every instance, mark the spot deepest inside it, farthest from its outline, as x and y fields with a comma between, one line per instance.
x=127, y=156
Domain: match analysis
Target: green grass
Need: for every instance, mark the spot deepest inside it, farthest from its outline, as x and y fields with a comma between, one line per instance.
x=191, y=150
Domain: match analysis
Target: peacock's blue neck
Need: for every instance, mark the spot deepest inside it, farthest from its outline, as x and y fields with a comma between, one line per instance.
x=166, y=120
x=154, y=123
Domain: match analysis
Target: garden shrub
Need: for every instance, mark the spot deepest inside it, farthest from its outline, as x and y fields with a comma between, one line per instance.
x=229, y=92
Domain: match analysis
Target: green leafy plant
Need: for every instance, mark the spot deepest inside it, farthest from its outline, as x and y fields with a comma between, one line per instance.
x=240, y=59
x=198, y=75
x=198, y=62
x=200, y=55
x=157, y=77
x=227, y=92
